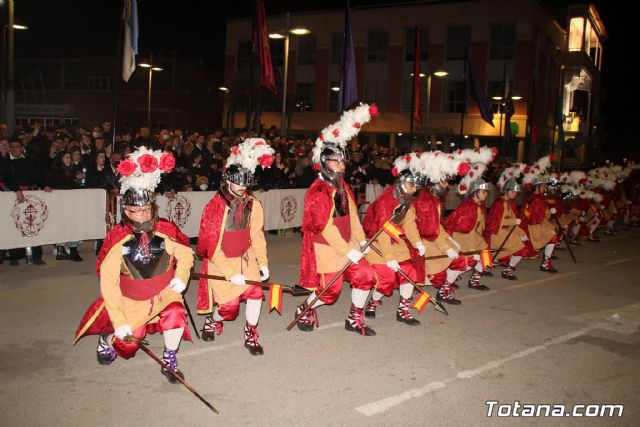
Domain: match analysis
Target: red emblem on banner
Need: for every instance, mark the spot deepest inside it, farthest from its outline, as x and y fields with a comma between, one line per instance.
x=288, y=208
x=30, y=215
x=179, y=210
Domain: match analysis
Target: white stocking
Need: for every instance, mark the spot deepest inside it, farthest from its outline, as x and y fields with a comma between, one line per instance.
x=311, y=298
x=359, y=297
x=252, y=311
x=452, y=275
x=216, y=316
x=575, y=230
x=406, y=290
x=548, y=249
x=172, y=338
x=515, y=259
x=376, y=296
x=478, y=265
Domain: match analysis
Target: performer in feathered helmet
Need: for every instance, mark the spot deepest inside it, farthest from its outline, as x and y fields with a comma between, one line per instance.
x=144, y=266
x=445, y=264
x=232, y=244
x=503, y=225
x=394, y=255
x=466, y=226
x=332, y=231
x=536, y=213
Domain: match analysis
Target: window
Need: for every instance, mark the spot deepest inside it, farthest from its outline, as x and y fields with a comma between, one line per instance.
x=454, y=97
x=244, y=53
x=503, y=42
x=307, y=49
x=576, y=31
x=496, y=89
x=376, y=91
x=304, y=96
x=337, y=45
x=410, y=41
x=276, y=46
x=333, y=96
x=458, y=38
x=377, y=46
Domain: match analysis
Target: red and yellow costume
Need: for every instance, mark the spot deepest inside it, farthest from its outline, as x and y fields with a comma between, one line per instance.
x=327, y=239
x=226, y=252
x=147, y=305
x=503, y=216
x=536, y=220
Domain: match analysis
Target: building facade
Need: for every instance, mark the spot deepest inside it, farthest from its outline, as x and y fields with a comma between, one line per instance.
x=545, y=65
x=81, y=91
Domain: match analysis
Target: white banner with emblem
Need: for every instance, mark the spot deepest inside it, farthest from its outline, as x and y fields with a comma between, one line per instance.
x=282, y=208
x=55, y=217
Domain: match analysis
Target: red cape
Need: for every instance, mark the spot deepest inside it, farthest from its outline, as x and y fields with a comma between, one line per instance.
x=464, y=218
x=318, y=203
x=379, y=212
x=427, y=215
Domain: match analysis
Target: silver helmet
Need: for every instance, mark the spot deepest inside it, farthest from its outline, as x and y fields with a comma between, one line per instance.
x=477, y=185
x=334, y=152
x=238, y=175
x=512, y=185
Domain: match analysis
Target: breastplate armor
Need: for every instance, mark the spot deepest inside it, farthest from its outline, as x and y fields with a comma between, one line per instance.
x=145, y=265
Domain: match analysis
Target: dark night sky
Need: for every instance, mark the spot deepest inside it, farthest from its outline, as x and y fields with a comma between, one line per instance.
x=195, y=28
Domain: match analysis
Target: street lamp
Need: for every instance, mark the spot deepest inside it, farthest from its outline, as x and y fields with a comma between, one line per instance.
x=298, y=31
x=151, y=68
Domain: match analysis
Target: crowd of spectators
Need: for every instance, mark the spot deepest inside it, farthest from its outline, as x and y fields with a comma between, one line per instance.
x=68, y=158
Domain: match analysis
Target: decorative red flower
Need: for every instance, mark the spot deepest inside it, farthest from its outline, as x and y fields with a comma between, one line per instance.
x=463, y=168
x=494, y=150
x=259, y=143
x=463, y=187
x=265, y=160
x=167, y=162
x=336, y=133
x=357, y=125
x=126, y=167
x=407, y=158
x=527, y=169
x=373, y=110
x=235, y=150
x=148, y=163
x=394, y=171
x=552, y=157
x=321, y=138
x=316, y=166
x=471, y=174
x=459, y=151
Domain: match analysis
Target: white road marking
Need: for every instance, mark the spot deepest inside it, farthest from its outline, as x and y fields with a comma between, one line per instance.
x=380, y=406
x=618, y=261
x=543, y=280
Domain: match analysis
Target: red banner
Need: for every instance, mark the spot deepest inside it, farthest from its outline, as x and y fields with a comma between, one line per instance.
x=261, y=43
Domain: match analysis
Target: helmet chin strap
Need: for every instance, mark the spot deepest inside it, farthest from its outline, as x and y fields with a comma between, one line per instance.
x=142, y=227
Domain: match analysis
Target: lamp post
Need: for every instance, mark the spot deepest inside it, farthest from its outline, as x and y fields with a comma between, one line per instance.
x=439, y=73
x=9, y=92
x=151, y=68
x=298, y=31
x=224, y=91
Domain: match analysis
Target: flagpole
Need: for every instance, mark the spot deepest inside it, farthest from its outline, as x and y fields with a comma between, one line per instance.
x=283, y=115
x=464, y=91
x=503, y=105
x=117, y=76
x=416, y=77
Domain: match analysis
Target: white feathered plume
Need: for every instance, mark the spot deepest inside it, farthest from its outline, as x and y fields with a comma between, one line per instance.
x=251, y=153
x=344, y=129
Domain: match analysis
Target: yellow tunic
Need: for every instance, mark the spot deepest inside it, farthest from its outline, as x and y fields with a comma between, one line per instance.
x=474, y=240
x=398, y=251
x=247, y=265
x=514, y=244
x=332, y=257
x=123, y=310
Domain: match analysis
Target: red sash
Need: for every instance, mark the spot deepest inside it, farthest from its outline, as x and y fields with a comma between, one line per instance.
x=344, y=227
x=235, y=243
x=145, y=289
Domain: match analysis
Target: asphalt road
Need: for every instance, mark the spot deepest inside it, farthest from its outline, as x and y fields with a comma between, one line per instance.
x=569, y=338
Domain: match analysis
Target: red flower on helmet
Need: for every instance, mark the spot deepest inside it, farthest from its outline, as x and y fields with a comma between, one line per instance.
x=126, y=168
x=259, y=143
x=357, y=125
x=167, y=162
x=235, y=150
x=265, y=160
x=394, y=171
x=336, y=133
x=552, y=157
x=373, y=110
x=463, y=168
x=463, y=187
x=148, y=163
x=316, y=166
